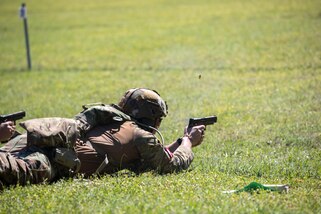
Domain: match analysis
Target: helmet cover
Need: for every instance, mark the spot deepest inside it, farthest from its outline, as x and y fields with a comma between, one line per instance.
x=143, y=104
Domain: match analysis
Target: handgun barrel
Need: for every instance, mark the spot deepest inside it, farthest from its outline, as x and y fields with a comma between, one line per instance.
x=202, y=121
x=12, y=117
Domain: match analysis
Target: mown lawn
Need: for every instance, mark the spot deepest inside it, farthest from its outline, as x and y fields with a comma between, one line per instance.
x=254, y=64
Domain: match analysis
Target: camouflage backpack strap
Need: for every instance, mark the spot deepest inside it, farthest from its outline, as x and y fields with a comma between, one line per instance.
x=98, y=115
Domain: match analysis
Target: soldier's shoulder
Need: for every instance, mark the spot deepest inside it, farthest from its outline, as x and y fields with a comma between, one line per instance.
x=139, y=133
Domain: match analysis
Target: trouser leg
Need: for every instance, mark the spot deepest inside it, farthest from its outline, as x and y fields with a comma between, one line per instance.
x=29, y=167
x=15, y=145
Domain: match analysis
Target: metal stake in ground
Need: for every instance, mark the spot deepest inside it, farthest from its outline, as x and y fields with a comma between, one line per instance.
x=23, y=16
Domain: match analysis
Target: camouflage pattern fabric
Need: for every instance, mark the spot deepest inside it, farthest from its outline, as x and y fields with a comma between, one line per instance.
x=29, y=165
x=51, y=132
x=98, y=115
x=128, y=147
x=106, y=132
x=119, y=143
x=164, y=162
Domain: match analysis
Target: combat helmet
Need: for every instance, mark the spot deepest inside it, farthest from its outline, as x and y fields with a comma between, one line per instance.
x=144, y=105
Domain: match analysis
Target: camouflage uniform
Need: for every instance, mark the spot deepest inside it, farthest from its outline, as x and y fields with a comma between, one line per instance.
x=104, y=138
x=20, y=164
x=126, y=146
x=109, y=135
x=29, y=158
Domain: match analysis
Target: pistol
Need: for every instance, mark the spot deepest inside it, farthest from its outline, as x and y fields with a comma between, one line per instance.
x=202, y=121
x=12, y=117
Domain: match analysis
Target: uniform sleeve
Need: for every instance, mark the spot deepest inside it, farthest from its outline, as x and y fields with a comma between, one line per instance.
x=155, y=156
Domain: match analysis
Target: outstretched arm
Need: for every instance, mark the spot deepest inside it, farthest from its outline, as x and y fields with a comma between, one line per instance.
x=192, y=137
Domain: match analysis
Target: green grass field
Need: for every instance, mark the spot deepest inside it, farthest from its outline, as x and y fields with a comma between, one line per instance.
x=254, y=64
